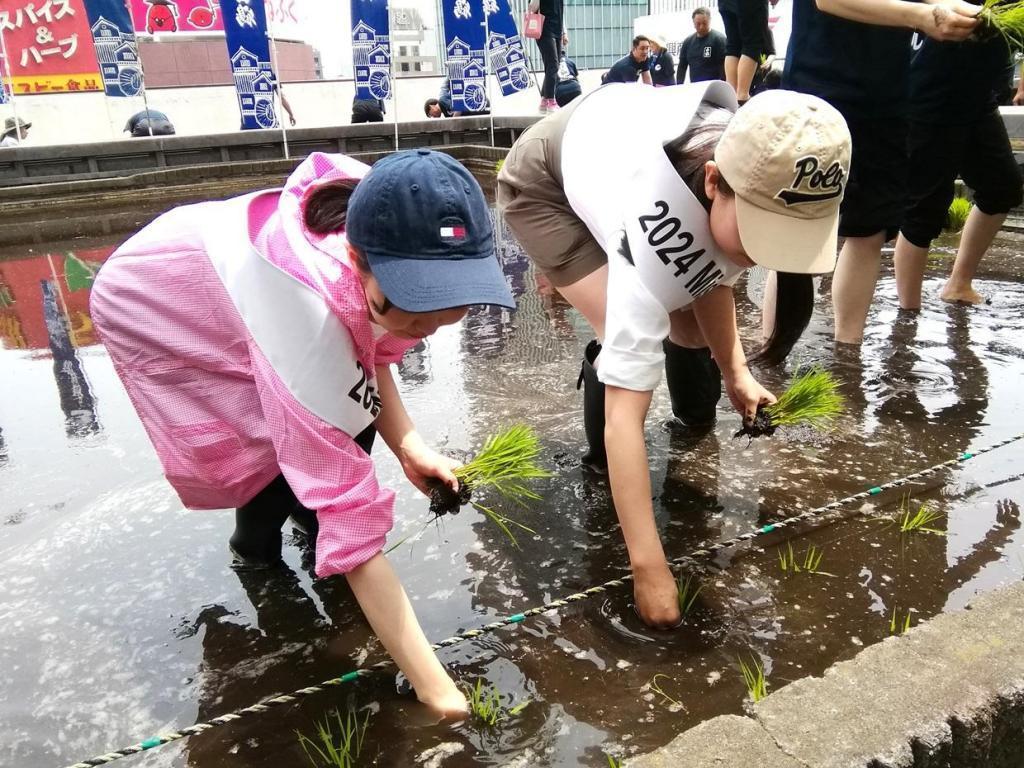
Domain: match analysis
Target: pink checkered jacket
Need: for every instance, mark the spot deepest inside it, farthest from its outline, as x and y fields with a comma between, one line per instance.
x=245, y=345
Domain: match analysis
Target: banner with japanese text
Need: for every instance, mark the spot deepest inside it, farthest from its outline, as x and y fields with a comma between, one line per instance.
x=5, y=68
x=245, y=29
x=161, y=17
x=505, y=48
x=49, y=46
x=117, y=50
x=371, y=49
x=464, y=53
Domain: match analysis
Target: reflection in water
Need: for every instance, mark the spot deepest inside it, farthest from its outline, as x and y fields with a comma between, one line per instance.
x=76, y=398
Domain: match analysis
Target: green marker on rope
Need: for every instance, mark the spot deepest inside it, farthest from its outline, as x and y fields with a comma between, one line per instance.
x=515, y=618
x=767, y=528
x=874, y=491
x=348, y=677
x=150, y=743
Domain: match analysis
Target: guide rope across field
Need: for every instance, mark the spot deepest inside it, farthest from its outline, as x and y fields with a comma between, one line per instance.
x=820, y=515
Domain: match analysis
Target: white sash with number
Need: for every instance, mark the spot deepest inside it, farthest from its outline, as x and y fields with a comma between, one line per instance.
x=307, y=345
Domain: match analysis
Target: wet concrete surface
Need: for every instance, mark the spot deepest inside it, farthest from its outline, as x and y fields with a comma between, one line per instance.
x=122, y=618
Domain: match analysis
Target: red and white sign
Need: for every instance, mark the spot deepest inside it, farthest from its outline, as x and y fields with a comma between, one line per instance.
x=49, y=46
x=161, y=17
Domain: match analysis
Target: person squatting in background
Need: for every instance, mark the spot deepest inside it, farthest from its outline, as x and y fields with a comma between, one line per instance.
x=552, y=40
x=647, y=244
x=747, y=39
x=367, y=110
x=661, y=64
x=955, y=129
x=568, y=87
x=149, y=122
x=855, y=54
x=15, y=131
x=633, y=66
x=255, y=337
x=703, y=52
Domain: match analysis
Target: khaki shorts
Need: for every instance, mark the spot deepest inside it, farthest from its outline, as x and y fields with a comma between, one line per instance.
x=536, y=209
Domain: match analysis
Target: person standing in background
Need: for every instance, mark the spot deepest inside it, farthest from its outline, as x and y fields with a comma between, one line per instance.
x=703, y=52
x=661, y=64
x=550, y=43
x=632, y=66
x=855, y=54
x=746, y=32
x=955, y=129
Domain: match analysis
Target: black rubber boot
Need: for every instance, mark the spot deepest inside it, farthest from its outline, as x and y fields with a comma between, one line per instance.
x=304, y=519
x=256, y=542
x=593, y=411
x=694, y=384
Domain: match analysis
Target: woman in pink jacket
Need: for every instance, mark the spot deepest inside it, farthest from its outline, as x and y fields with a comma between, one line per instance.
x=254, y=336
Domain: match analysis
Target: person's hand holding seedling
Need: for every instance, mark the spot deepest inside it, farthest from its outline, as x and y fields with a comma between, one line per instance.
x=423, y=464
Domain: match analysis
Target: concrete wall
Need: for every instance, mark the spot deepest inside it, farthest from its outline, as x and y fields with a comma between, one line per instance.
x=75, y=118
x=188, y=61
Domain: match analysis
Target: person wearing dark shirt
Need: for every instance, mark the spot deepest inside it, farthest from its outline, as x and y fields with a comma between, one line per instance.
x=367, y=110
x=746, y=41
x=703, y=52
x=661, y=65
x=855, y=54
x=955, y=129
x=442, y=105
x=142, y=123
x=632, y=66
x=550, y=43
x=568, y=87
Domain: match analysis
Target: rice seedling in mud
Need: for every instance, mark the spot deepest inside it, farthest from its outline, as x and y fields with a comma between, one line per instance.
x=654, y=687
x=485, y=705
x=507, y=462
x=339, y=743
x=1003, y=17
x=897, y=627
x=687, y=591
x=613, y=762
x=811, y=562
x=919, y=520
x=753, y=678
x=812, y=400
x=957, y=214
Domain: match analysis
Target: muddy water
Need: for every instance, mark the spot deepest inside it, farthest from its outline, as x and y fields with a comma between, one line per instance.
x=121, y=617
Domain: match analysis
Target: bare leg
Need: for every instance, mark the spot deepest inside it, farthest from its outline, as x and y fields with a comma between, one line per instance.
x=589, y=295
x=771, y=289
x=744, y=77
x=910, y=261
x=731, y=65
x=977, y=236
x=853, y=285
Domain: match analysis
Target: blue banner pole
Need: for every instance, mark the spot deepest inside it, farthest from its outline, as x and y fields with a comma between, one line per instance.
x=245, y=32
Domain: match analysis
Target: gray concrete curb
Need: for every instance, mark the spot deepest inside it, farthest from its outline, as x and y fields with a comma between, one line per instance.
x=949, y=693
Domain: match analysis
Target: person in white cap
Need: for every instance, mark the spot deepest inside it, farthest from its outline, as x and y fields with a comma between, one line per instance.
x=660, y=63
x=647, y=242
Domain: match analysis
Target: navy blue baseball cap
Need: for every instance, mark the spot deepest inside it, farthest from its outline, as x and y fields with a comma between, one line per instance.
x=422, y=222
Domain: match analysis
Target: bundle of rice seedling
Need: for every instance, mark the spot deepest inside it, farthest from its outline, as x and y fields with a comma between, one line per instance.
x=505, y=465
x=812, y=400
x=1006, y=18
x=957, y=214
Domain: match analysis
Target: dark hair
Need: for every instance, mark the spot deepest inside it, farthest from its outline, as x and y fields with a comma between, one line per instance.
x=690, y=152
x=795, y=293
x=639, y=39
x=431, y=103
x=702, y=11
x=327, y=206
x=794, y=303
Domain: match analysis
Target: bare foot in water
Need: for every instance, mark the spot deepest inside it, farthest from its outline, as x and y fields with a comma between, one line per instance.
x=962, y=296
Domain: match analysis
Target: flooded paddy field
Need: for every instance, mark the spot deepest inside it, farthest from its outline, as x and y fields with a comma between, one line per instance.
x=122, y=618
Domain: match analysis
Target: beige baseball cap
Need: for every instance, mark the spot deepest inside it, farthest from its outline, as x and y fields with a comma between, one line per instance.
x=787, y=157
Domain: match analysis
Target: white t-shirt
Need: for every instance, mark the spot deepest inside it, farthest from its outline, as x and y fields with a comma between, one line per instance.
x=9, y=141
x=619, y=181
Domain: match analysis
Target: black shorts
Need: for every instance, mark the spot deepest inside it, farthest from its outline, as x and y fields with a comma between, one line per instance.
x=877, y=188
x=978, y=152
x=746, y=30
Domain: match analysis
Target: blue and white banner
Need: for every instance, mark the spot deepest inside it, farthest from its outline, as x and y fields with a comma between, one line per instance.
x=371, y=49
x=464, y=53
x=464, y=29
x=245, y=29
x=117, y=50
x=505, y=48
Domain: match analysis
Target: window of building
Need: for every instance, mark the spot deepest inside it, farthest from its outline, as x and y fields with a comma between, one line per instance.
x=405, y=66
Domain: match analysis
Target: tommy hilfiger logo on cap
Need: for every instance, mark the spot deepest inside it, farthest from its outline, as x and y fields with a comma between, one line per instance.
x=453, y=233
x=819, y=185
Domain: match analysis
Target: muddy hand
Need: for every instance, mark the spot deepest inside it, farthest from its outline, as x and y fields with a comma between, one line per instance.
x=421, y=463
x=950, y=20
x=746, y=395
x=657, y=598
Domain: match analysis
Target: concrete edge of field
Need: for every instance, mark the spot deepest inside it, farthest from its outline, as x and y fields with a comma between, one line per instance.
x=948, y=693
